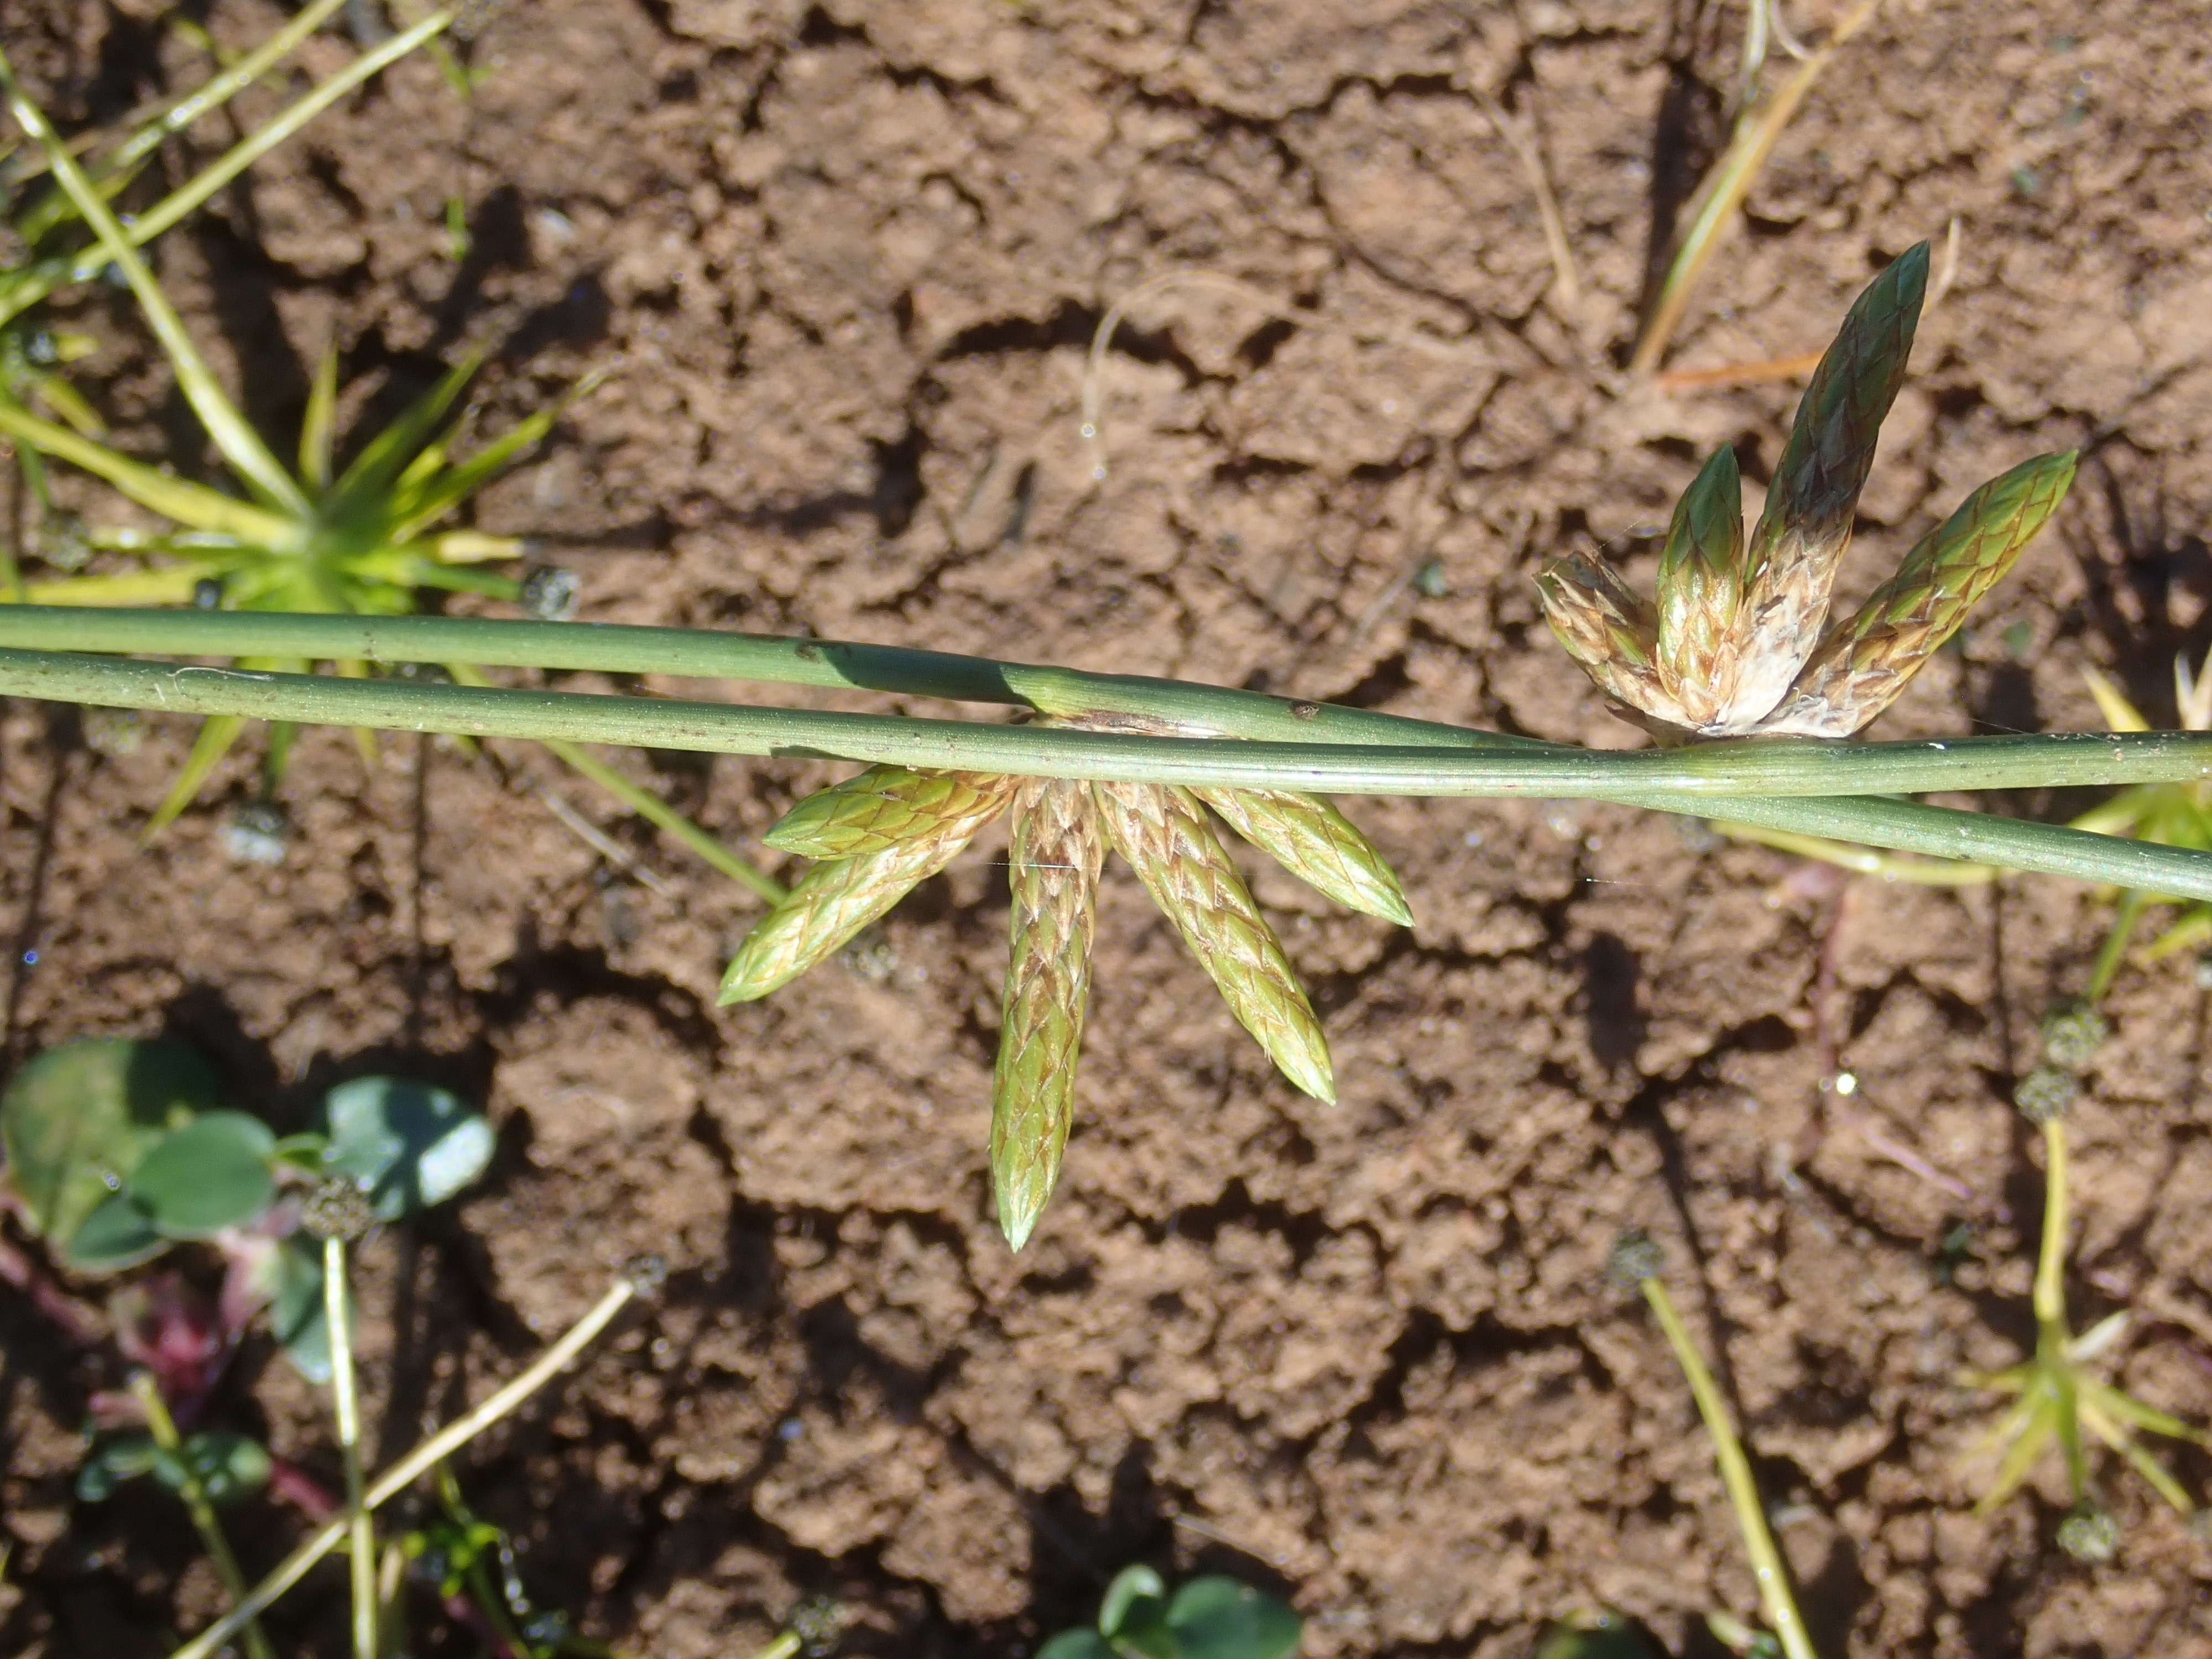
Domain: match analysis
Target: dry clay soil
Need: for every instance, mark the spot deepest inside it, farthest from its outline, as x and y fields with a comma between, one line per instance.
x=844, y=261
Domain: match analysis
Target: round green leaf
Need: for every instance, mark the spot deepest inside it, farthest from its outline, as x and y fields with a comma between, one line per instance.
x=213, y=1173
x=1217, y=1618
x=410, y=1145
x=1076, y=1644
x=118, y=1234
x=76, y=1119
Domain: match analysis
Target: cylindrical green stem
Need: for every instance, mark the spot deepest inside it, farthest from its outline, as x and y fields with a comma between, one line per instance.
x=163, y=1427
x=1770, y=767
x=785, y=1646
x=2050, y=1260
x=1774, y=1597
x=360, y=1526
x=1768, y=784
x=395, y=1479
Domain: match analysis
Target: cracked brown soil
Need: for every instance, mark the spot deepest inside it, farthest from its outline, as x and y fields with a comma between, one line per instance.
x=845, y=258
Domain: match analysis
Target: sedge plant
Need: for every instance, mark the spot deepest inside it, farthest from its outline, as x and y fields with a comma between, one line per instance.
x=2056, y=1391
x=44, y=247
x=1738, y=645
x=364, y=540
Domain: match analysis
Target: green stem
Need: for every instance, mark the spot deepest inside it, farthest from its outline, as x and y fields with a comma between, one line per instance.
x=2053, y=1341
x=2050, y=1260
x=1788, y=766
x=2115, y=948
x=1690, y=780
x=1774, y=1597
x=402, y=1474
x=164, y=1430
x=785, y=1646
x=361, y=1525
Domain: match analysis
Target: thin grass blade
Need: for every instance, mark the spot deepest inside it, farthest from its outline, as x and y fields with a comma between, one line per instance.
x=2019, y=1457
x=2139, y=1456
x=1756, y=134
x=215, y=737
x=387, y=456
x=1164, y=834
x=240, y=445
x=49, y=275
x=315, y=424
x=466, y=478
x=166, y=585
x=177, y=499
x=1316, y=843
x=658, y=813
x=2113, y=703
x=2130, y=1410
x=1058, y=845
x=1864, y=663
x=70, y=406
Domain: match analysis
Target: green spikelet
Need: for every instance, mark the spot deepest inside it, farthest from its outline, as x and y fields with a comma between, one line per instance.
x=834, y=899
x=880, y=808
x=1316, y=843
x=1164, y=834
x=1052, y=870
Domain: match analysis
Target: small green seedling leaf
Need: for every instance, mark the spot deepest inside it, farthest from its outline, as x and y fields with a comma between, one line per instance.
x=75, y=1121
x=229, y=1467
x=1131, y=1585
x=213, y=1173
x=410, y=1145
x=118, y=1234
x=297, y=1315
x=113, y=1460
x=1218, y=1617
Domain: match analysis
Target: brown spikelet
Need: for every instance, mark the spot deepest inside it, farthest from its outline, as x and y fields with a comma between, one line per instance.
x=1612, y=631
x=1316, y=843
x=881, y=807
x=834, y=899
x=1790, y=563
x=1164, y=834
x=1052, y=870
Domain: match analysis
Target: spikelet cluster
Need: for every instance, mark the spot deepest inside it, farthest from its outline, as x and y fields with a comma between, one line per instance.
x=1739, y=642
x=883, y=831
